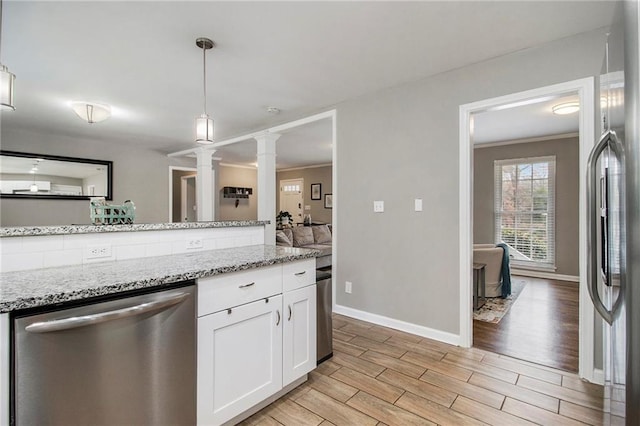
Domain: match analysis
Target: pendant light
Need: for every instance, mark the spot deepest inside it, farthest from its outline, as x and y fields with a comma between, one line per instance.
x=204, y=124
x=7, y=79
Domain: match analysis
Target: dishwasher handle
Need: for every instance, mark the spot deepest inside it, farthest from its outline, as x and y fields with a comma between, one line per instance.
x=85, y=320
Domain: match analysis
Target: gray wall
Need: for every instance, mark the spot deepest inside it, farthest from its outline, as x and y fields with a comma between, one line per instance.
x=141, y=175
x=311, y=175
x=566, y=152
x=402, y=143
x=247, y=207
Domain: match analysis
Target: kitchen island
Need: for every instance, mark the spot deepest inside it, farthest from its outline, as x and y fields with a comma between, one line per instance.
x=236, y=286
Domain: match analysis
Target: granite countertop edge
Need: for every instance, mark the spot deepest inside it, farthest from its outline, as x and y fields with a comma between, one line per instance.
x=27, y=231
x=53, y=295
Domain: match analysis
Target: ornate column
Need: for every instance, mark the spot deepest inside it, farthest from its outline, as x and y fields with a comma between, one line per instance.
x=205, y=184
x=267, y=183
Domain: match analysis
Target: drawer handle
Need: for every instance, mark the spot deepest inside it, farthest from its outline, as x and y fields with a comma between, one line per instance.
x=246, y=285
x=278, y=320
x=289, y=319
x=297, y=274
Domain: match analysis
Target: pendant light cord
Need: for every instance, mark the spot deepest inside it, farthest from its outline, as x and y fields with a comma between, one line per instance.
x=0, y=31
x=204, y=74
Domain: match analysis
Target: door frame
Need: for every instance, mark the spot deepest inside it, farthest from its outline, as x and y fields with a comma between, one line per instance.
x=585, y=90
x=171, y=170
x=183, y=195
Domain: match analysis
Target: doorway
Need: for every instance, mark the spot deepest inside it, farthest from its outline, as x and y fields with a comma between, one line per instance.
x=292, y=197
x=188, y=206
x=584, y=91
x=178, y=194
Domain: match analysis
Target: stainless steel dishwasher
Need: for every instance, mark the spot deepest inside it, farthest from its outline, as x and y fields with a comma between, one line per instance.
x=324, y=333
x=116, y=361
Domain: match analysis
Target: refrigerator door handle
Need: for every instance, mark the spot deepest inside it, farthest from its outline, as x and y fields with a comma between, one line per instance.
x=608, y=139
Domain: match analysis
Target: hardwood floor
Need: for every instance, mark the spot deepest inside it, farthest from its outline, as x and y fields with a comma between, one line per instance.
x=380, y=376
x=541, y=326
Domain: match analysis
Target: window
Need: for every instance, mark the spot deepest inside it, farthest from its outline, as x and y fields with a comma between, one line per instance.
x=525, y=210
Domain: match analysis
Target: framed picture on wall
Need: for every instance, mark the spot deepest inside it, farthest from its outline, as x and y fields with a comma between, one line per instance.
x=316, y=191
x=328, y=201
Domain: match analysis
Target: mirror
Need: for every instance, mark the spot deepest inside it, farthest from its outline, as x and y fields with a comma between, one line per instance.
x=24, y=175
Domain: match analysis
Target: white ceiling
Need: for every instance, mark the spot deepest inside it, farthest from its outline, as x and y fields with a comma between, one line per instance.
x=533, y=120
x=301, y=57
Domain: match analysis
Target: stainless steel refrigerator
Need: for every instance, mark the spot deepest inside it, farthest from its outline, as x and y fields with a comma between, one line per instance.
x=614, y=219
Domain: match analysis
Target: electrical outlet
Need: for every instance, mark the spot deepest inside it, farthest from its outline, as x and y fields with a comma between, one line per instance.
x=347, y=287
x=194, y=243
x=378, y=206
x=97, y=252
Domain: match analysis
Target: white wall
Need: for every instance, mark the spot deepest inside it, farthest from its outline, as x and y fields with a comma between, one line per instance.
x=402, y=143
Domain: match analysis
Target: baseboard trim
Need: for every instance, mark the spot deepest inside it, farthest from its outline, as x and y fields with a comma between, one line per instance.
x=547, y=275
x=430, y=333
x=598, y=376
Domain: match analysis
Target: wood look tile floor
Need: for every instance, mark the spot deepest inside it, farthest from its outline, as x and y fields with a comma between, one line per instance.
x=541, y=326
x=380, y=376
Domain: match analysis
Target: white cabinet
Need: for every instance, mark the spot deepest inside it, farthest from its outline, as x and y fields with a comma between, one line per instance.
x=299, y=341
x=253, y=338
x=239, y=359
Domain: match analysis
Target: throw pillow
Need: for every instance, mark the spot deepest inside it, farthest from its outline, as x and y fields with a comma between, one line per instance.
x=302, y=236
x=282, y=240
x=289, y=234
x=321, y=234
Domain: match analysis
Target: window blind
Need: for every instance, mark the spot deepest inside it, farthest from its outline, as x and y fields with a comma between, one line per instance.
x=524, y=203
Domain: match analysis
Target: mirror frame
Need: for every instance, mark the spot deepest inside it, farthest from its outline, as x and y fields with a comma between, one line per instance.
x=108, y=164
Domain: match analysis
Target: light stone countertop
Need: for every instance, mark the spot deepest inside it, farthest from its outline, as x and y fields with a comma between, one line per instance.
x=26, y=231
x=47, y=286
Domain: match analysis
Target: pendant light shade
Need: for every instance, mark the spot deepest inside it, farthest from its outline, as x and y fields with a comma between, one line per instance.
x=204, y=129
x=204, y=124
x=7, y=79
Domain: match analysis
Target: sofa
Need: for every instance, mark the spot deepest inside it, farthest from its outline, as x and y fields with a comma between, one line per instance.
x=491, y=256
x=318, y=237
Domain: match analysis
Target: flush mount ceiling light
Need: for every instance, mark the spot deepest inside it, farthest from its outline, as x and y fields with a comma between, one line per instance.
x=204, y=124
x=566, y=108
x=7, y=79
x=91, y=112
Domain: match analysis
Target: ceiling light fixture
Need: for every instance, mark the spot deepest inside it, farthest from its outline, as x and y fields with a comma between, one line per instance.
x=91, y=112
x=204, y=124
x=566, y=108
x=7, y=79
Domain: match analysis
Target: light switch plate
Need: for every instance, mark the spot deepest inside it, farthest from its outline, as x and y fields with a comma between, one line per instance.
x=418, y=204
x=378, y=206
x=307, y=208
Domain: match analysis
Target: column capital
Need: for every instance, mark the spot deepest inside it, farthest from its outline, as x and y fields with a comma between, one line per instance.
x=267, y=137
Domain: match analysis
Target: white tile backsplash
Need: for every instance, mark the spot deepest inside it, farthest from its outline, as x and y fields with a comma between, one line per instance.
x=62, y=257
x=22, y=253
x=22, y=261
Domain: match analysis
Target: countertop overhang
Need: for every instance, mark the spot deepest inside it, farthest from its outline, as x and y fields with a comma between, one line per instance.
x=26, y=231
x=48, y=286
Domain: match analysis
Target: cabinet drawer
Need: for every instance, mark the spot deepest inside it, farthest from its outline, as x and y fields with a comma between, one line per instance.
x=298, y=274
x=237, y=288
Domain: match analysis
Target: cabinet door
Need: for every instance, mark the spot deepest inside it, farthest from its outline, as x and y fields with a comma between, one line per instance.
x=299, y=346
x=239, y=359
